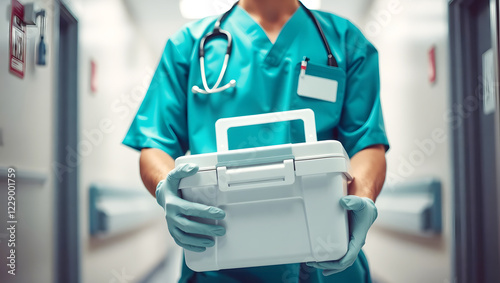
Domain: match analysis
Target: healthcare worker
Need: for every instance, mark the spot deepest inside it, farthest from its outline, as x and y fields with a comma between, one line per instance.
x=281, y=57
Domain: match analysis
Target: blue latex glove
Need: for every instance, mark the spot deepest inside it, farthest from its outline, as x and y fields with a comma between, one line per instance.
x=362, y=215
x=189, y=234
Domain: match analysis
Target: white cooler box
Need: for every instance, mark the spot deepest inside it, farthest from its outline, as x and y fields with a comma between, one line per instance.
x=281, y=202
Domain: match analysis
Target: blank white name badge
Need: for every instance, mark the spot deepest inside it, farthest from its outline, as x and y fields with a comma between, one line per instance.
x=320, y=82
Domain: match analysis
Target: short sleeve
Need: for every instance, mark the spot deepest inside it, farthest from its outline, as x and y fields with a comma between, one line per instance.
x=362, y=123
x=161, y=120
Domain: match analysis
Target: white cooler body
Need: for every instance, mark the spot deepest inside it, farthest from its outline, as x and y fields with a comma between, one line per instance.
x=281, y=202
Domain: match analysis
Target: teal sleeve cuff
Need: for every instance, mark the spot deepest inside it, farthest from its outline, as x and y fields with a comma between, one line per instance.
x=140, y=142
x=367, y=141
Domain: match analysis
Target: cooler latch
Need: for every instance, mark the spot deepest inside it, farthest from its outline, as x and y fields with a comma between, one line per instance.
x=257, y=176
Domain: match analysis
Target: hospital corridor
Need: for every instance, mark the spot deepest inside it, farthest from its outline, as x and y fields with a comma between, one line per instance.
x=224, y=141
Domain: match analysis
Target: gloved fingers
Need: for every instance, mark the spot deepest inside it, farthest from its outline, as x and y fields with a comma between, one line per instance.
x=191, y=240
x=353, y=203
x=193, y=227
x=363, y=213
x=360, y=225
x=345, y=263
x=199, y=210
x=349, y=258
x=179, y=172
x=319, y=265
x=189, y=247
x=331, y=267
x=327, y=265
x=358, y=238
x=339, y=265
x=194, y=248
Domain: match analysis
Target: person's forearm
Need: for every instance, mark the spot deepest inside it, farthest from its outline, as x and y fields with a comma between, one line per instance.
x=368, y=168
x=155, y=165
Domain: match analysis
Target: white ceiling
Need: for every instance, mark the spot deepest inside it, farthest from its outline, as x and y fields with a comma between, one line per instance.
x=158, y=19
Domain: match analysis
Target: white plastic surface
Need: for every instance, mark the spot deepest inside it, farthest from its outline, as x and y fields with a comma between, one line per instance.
x=280, y=212
x=270, y=225
x=300, y=151
x=268, y=175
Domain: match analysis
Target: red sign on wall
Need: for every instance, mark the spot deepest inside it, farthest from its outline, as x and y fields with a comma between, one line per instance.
x=432, y=65
x=17, y=59
x=93, y=76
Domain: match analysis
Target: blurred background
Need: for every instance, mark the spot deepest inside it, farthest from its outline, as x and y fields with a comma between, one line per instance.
x=84, y=216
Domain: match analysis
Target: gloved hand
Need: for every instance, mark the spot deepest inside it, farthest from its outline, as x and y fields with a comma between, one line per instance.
x=362, y=215
x=189, y=234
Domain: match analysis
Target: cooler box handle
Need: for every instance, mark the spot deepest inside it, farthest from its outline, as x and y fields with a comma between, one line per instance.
x=223, y=125
x=269, y=175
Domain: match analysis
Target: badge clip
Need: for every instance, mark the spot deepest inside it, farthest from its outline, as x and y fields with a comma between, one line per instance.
x=303, y=67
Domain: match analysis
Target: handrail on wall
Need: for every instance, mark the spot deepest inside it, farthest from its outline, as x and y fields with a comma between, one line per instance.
x=24, y=174
x=115, y=209
x=412, y=207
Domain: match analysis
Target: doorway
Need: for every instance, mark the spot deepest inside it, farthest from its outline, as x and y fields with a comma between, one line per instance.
x=474, y=57
x=67, y=240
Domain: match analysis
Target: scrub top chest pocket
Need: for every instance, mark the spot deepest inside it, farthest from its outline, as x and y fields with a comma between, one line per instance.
x=320, y=82
x=321, y=88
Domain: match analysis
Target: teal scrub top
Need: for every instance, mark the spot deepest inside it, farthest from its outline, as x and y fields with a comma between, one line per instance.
x=174, y=119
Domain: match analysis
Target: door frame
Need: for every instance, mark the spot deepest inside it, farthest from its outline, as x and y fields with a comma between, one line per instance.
x=495, y=28
x=67, y=267
x=468, y=258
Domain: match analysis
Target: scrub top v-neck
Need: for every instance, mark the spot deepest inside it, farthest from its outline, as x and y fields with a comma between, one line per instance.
x=252, y=33
x=174, y=119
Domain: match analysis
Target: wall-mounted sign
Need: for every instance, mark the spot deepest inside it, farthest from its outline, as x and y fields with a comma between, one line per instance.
x=432, y=65
x=17, y=58
x=93, y=76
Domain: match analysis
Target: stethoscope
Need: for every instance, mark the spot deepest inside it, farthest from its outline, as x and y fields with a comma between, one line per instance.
x=218, y=31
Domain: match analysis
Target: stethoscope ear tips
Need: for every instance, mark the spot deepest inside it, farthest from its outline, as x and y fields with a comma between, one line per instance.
x=232, y=83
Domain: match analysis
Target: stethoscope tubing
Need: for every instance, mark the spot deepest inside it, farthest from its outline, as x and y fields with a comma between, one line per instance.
x=216, y=87
x=218, y=31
